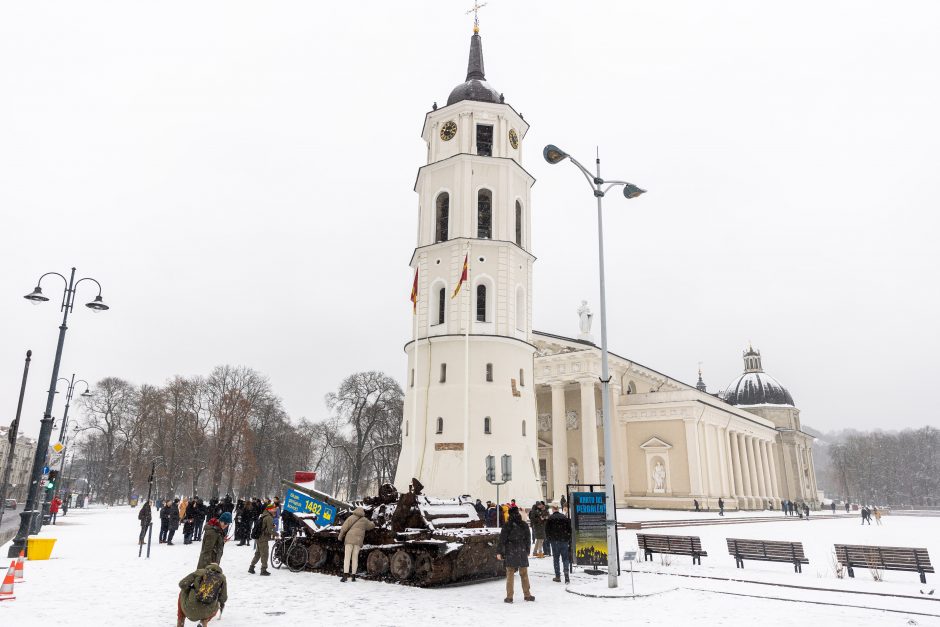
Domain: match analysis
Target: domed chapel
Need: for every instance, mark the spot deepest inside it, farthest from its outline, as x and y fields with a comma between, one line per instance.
x=481, y=382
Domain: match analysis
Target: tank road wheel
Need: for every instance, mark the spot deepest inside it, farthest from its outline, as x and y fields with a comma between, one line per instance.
x=296, y=558
x=338, y=557
x=403, y=566
x=316, y=556
x=424, y=567
x=377, y=563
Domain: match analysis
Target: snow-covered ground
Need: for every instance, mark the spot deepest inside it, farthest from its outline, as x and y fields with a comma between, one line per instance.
x=96, y=578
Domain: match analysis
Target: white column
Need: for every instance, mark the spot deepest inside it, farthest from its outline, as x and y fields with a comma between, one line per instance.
x=589, y=455
x=736, y=466
x=759, y=467
x=559, y=441
x=722, y=443
x=765, y=466
x=711, y=461
x=772, y=450
x=695, y=467
x=752, y=470
x=745, y=470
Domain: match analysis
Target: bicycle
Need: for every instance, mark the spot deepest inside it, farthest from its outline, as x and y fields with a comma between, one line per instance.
x=289, y=551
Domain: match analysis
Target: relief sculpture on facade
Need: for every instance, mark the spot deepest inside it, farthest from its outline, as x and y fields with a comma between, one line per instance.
x=571, y=419
x=545, y=422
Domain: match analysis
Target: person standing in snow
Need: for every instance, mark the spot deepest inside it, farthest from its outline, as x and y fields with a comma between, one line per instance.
x=491, y=515
x=277, y=515
x=263, y=533
x=189, y=521
x=164, y=521
x=174, y=522
x=877, y=513
x=144, y=516
x=213, y=540
x=721, y=506
x=514, y=549
x=806, y=510
x=54, y=507
x=537, y=518
x=203, y=594
x=481, y=509
x=200, y=519
x=353, y=535
x=558, y=534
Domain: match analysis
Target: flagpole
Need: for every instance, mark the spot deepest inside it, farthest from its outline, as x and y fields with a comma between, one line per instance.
x=466, y=375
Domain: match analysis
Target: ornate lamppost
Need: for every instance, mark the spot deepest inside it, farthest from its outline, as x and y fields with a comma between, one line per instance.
x=68, y=303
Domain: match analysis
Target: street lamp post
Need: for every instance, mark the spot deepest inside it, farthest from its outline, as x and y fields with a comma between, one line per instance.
x=63, y=434
x=14, y=430
x=45, y=431
x=600, y=187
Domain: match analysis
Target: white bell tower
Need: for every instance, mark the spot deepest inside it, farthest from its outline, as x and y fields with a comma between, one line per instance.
x=470, y=389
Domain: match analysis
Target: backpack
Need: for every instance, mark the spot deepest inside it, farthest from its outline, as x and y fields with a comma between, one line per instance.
x=256, y=531
x=209, y=588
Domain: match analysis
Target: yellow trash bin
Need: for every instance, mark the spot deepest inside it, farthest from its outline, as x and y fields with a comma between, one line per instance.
x=39, y=548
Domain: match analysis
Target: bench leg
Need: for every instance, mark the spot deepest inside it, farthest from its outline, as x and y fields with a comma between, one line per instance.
x=851, y=572
x=647, y=556
x=797, y=567
x=923, y=577
x=697, y=559
x=738, y=562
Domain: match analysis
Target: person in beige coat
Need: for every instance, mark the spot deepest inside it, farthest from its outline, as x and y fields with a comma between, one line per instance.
x=353, y=535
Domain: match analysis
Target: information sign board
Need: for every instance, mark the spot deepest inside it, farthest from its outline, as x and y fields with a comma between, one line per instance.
x=300, y=503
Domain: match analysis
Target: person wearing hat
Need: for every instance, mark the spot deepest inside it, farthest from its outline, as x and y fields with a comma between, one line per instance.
x=263, y=533
x=213, y=540
x=203, y=594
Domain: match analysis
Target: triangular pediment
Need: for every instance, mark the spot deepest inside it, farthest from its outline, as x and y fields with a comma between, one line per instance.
x=656, y=443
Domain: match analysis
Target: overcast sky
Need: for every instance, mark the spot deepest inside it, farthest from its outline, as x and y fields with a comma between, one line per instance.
x=239, y=176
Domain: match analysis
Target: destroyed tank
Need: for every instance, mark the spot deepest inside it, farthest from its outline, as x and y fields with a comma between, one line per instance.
x=417, y=540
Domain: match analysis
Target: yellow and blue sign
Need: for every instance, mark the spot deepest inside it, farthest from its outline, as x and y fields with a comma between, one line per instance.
x=300, y=503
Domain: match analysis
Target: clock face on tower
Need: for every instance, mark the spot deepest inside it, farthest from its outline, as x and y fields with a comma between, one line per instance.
x=513, y=138
x=448, y=130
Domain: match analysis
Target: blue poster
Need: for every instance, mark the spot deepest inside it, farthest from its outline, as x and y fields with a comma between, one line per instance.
x=300, y=503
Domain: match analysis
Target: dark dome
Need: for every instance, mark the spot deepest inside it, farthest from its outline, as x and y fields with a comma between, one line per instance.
x=475, y=86
x=755, y=387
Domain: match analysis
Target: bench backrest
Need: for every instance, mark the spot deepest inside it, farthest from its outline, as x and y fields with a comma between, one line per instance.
x=669, y=543
x=885, y=557
x=766, y=548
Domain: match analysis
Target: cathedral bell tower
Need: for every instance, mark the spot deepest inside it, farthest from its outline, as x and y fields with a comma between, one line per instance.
x=470, y=387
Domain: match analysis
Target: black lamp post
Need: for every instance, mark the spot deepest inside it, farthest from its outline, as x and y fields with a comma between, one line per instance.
x=553, y=154
x=45, y=431
x=62, y=435
x=14, y=430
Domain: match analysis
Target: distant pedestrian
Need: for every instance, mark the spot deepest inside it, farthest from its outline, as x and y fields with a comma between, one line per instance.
x=213, y=540
x=806, y=510
x=481, y=509
x=695, y=502
x=846, y=507
x=174, y=522
x=353, y=535
x=537, y=517
x=164, y=521
x=491, y=516
x=833, y=506
x=564, y=504
x=721, y=506
x=514, y=549
x=277, y=514
x=66, y=503
x=558, y=534
x=866, y=515
x=201, y=511
x=54, y=507
x=262, y=534
x=877, y=513
x=203, y=594
x=189, y=521
x=144, y=516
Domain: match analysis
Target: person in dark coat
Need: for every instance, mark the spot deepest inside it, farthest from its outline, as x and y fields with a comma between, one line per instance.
x=558, y=534
x=481, y=509
x=227, y=505
x=721, y=506
x=240, y=517
x=189, y=521
x=174, y=522
x=213, y=540
x=199, y=520
x=537, y=517
x=806, y=510
x=164, y=521
x=145, y=517
x=490, y=516
x=513, y=548
x=832, y=505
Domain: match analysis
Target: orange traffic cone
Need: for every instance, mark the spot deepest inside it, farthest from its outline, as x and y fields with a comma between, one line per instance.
x=18, y=572
x=6, y=590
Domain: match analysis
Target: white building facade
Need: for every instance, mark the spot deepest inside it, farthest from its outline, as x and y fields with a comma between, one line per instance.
x=23, y=455
x=470, y=391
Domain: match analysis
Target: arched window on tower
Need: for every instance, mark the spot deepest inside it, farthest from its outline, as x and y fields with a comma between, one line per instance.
x=487, y=424
x=440, y=425
x=485, y=214
x=441, y=302
x=443, y=217
x=489, y=373
x=518, y=224
x=481, y=303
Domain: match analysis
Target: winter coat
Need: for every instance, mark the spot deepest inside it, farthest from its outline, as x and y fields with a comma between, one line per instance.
x=165, y=513
x=213, y=543
x=144, y=515
x=54, y=506
x=491, y=517
x=227, y=505
x=558, y=528
x=182, y=509
x=481, y=509
x=514, y=544
x=537, y=517
x=266, y=522
x=193, y=609
x=190, y=513
x=174, y=517
x=354, y=528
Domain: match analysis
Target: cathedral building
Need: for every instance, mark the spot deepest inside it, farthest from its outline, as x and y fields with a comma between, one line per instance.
x=481, y=382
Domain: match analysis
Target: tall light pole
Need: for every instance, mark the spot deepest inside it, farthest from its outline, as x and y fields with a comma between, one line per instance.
x=65, y=422
x=68, y=303
x=14, y=430
x=600, y=187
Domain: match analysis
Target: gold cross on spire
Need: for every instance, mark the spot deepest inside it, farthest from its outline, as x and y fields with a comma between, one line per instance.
x=476, y=15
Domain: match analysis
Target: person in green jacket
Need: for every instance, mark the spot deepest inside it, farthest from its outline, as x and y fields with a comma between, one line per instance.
x=189, y=605
x=213, y=540
x=265, y=526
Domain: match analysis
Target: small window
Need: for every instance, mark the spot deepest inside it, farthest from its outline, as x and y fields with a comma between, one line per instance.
x=440, y=425
x=481, y=303
x=441, y=302
x=521, y=377
x=406, y=428
x=485, y=214
x=486, y=425
x=484, y=140
x=523, y=428
x=412, y=377
x=443, y=373
x=443, y=217
x=489, y=373
x=518, y=224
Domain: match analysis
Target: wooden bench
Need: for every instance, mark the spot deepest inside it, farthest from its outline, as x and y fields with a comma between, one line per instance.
x=674, y=545
x=767, y=551
x=884, y=558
